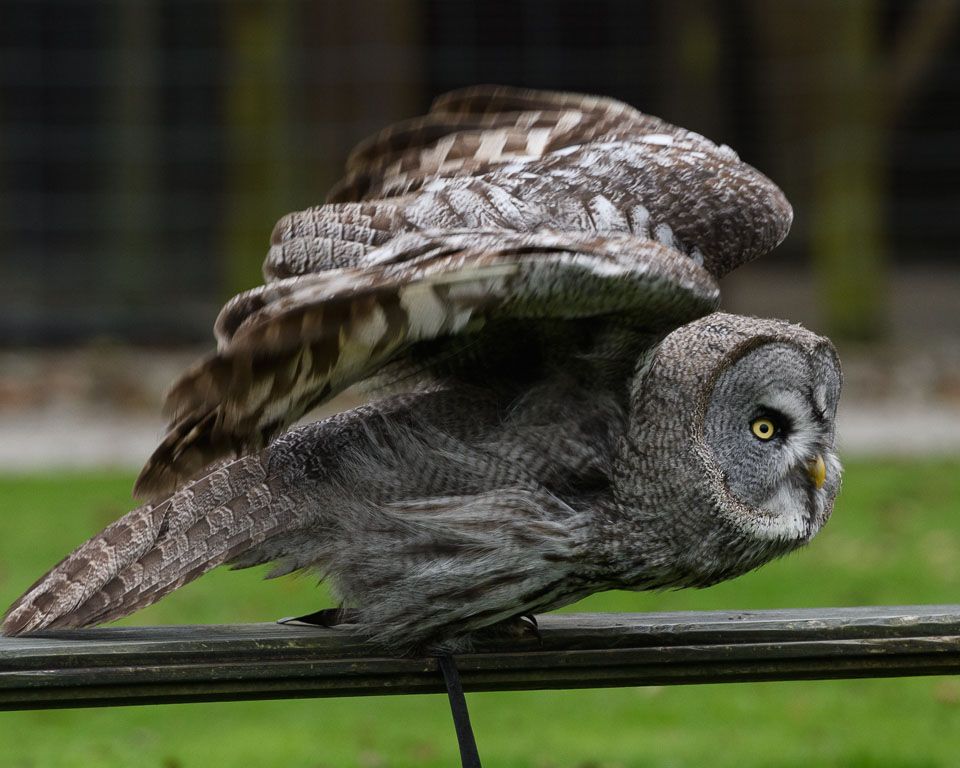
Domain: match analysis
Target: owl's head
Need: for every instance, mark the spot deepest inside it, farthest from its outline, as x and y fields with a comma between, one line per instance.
x=731, y=444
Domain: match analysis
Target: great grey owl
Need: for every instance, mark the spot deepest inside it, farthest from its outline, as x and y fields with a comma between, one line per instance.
x=527, y=280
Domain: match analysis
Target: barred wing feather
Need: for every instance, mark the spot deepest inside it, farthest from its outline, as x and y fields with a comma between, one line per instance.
x=289, y=345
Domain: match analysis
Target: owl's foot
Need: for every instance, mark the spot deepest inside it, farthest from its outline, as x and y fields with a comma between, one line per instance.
x=511, y=629
x=327, y=617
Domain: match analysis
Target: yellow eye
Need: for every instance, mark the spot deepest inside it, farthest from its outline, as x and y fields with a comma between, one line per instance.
x=763, y=428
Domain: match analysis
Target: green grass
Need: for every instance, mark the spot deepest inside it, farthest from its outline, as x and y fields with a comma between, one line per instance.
x=895, y=538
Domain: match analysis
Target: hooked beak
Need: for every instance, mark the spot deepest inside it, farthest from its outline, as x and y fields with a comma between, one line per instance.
x=817, y=471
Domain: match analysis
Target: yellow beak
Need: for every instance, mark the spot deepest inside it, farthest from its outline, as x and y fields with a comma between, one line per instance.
x=817, y=470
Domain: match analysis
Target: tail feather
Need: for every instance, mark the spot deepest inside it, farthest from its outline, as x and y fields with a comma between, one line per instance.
x=157, y=548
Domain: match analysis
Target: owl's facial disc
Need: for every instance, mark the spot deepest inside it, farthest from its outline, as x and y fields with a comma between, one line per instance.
x=769, y=426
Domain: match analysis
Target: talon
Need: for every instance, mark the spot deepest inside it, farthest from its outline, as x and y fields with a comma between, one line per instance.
x=531, y=621
x=327, y=617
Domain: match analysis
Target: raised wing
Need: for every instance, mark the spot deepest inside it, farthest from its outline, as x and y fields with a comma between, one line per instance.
x=289, y=345
x=520, y=160
x=472, y=131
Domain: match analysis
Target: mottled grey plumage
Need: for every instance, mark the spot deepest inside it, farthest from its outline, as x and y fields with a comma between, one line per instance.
x=531, y=274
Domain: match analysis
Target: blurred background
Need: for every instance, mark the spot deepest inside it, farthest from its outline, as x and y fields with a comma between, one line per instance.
x=147, y=147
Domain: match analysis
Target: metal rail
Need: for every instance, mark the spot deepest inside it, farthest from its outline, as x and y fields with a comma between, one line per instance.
x=151, y=665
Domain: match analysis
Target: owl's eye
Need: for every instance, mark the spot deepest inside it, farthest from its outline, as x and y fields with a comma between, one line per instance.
x=763, y=428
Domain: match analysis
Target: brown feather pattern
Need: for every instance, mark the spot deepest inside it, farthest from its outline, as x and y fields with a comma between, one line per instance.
x=155, y=549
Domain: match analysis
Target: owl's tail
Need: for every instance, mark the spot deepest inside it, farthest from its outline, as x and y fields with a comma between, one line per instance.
x=157, y=548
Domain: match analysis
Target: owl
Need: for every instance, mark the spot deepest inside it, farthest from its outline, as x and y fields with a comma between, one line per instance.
x=526, y=283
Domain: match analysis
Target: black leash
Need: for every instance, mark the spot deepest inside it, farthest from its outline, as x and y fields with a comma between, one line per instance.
x=469, y=757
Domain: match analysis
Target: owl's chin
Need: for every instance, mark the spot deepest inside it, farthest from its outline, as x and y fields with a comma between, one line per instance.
x=801, y=506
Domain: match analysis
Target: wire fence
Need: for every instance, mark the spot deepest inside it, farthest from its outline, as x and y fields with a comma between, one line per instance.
x=146, y=147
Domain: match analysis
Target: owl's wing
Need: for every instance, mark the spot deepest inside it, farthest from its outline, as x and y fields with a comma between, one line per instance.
x=289, y=345
x=520, y=160
x=471, y=131
x=466, y=133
